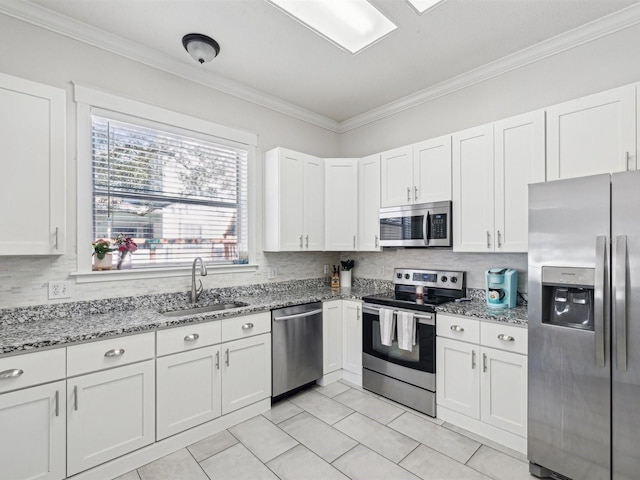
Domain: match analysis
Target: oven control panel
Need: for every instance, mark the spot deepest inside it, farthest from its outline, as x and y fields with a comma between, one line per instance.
x=429, y=278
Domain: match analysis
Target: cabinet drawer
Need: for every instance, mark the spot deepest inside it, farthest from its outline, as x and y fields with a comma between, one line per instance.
x=113, y=352
x=504, y=337
x=21, y=371
x=245, y=326
x=196, y=335
x=459, y=328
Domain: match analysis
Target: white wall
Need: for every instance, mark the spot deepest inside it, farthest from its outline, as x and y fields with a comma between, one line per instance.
x=36, y=54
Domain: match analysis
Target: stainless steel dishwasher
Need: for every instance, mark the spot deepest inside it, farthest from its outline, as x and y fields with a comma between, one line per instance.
x=296, y=353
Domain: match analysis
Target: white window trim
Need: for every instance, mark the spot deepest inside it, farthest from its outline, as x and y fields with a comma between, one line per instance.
x=88, y=98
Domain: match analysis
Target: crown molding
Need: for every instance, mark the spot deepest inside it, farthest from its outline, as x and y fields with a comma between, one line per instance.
x=55, y=22
x=66, y=26
x=586, y=33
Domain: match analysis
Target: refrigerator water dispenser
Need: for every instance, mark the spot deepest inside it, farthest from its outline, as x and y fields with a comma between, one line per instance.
x=567, y=297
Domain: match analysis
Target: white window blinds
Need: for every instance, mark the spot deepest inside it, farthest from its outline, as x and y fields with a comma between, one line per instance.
x=176, y=194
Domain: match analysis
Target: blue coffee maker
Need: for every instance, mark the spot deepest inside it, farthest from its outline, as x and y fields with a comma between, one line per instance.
x=501, y=285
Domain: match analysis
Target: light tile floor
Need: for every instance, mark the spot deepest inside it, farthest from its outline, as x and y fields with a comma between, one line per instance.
x=339, y=432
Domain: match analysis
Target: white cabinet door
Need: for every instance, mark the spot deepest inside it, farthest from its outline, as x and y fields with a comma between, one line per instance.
x=504, y=390
x=473, y=190
x=519, y=161
x=341, y=203
x=352, y=336
x=458, y=377
x=591, y=135
x=331, y=336
x=396, y=177
x=32, y=436
x=109, y=413
x=313, y=201
x=32, y=122
x=188, y=390
x=369, y=204
x=432, y=170
x=246, y=372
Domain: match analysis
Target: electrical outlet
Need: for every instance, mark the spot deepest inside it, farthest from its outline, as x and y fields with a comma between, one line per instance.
x=59, y=290
x=326, y=269
x=272, y=272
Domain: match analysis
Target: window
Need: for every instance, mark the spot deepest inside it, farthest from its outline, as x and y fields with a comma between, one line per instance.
x=177, y=193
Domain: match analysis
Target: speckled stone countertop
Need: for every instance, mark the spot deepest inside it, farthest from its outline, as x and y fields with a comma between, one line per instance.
x=477, y=308
x=28, y=328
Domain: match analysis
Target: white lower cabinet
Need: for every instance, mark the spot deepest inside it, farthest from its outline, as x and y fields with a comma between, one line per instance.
x=109, y=413
x=32, y=433
x=352, y=336
x=188, y=389
x=482, y=378
x=246, y=372
x=331, y=336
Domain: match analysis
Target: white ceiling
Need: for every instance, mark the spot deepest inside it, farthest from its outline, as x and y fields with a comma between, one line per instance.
x=270, y=58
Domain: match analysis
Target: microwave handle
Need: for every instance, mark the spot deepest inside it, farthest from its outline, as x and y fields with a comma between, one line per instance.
x=426, y=228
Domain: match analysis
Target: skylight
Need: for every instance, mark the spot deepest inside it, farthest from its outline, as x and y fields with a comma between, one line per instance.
x=351, y=24
x=423, y=5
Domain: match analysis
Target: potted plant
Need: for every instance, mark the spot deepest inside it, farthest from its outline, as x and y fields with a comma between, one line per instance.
x=125, y=247
x=102, y=254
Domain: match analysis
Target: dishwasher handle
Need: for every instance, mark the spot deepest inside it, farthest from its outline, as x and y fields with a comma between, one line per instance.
x=297, y=315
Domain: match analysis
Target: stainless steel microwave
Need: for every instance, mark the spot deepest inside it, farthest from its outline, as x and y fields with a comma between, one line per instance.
x=421, y=225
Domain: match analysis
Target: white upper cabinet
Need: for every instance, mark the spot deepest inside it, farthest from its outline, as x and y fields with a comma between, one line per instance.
x=397, y=177
x=341, y=203
x=473, y=190
x=293, y=201
x=369, y=203
x=32, y=187
x=492, y=167
x=432, y=170
x=592, y=135
x=418, y=173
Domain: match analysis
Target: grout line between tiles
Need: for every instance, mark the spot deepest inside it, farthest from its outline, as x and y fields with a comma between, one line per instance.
x=198, y=463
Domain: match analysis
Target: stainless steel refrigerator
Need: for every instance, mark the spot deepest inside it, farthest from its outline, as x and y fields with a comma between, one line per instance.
x=584, y=328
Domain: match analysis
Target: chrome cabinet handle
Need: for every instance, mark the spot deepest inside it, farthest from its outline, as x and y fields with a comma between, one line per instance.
x=473, y=359
x=115, y=352
x=307, y=239
x=227, y=357
x=408, y=194
x=627, y=163
x=57, y=403
x=218, y=360
x=484, y=362
x=619, y=308
x=75, y=398
x=488, y=239
x=376, y=241
x=499, y=239
x=415, y=190
x=457, y=328
x=11, y=373
x=506, y=338
x=354, y=242
x=192, y=337
x=57, y=230
x=300, y=241
x=598, y=298
x=358, y=315
x=247, y=326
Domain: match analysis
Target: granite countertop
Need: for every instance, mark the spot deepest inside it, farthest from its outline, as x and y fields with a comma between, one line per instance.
x=29, y=328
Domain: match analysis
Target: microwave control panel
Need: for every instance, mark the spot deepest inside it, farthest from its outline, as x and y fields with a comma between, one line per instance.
x=438, y=226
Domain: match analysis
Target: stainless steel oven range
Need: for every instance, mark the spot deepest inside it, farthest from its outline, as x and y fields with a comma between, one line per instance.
x=405, y=371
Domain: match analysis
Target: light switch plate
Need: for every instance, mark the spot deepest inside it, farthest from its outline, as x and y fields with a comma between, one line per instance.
x=60, y=290
x=272, y=272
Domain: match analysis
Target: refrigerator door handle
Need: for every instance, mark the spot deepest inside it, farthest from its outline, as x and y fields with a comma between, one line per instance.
x=598, y=297
x=620, y=304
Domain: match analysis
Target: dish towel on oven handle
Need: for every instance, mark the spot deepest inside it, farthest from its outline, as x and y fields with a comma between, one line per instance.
x=387, y=326
x=406, y=331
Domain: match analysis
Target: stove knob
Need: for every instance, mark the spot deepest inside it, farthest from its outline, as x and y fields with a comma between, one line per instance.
x=399, y=275
x=454, y=279
x=443, y=279
x=407, y=276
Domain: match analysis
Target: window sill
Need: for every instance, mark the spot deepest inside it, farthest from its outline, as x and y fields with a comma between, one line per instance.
x=143, y=273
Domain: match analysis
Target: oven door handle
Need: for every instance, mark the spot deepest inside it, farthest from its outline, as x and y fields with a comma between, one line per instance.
x=369, y=309
x=427, y=319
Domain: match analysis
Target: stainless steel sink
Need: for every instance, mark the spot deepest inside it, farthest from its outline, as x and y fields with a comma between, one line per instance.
x=209, y=308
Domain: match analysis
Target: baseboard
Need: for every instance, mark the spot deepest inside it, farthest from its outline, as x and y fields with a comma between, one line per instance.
x=330, y=378
x=352, y=377
x=502, y=437
x=138, y=458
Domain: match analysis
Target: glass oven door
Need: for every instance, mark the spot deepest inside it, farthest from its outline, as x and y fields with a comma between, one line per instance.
x=423, y=355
